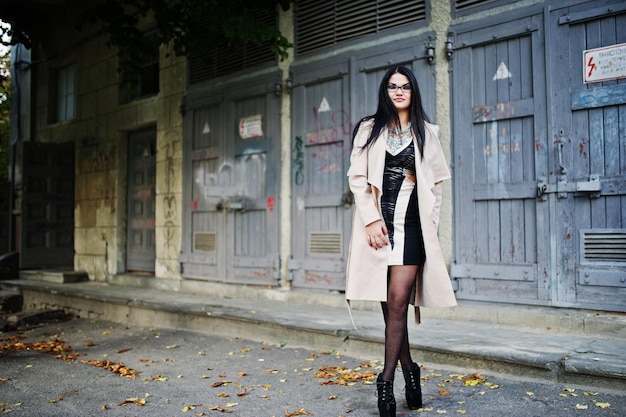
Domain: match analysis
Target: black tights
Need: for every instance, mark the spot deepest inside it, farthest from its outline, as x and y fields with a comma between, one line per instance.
x=401, y=283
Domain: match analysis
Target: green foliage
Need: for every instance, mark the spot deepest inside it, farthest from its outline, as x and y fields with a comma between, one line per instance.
x=189, y=26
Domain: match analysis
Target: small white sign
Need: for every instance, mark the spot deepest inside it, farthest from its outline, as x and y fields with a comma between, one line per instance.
x=603, y=64
x=251, y=126
x=324, y=106
x=502, y=73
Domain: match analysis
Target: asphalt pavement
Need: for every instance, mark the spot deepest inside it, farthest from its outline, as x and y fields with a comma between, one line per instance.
x=90, y=367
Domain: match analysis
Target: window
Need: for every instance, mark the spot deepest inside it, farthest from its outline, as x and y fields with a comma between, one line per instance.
x=140, y=72
x=65, y=93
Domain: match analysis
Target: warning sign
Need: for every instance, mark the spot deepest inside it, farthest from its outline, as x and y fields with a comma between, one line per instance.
x=603, y=64
x=250, y=127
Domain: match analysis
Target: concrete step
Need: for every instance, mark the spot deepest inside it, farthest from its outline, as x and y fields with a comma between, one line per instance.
x=56, y=276
x=588, y=359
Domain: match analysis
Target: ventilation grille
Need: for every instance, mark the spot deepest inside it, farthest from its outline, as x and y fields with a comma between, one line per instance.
x=325, y=243
x=228, y=58
x=204, y=242
x=326, y=23
x=603, y=245
x=469, y=6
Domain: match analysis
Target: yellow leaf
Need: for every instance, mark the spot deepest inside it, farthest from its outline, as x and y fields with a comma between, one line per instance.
x=563, y=395
x=461, y=411
x=231, y=405
x=530, y=394
x=587, y=393
x=603, y=405
x=581, y=407
x=569, y=389
x=309, y=359
x=441, y=411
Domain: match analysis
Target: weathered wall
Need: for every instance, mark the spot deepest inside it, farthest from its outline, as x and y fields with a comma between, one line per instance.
x=99, y=132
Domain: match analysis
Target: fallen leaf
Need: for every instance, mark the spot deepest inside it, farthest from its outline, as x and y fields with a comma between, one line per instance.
x=300, y=412
x=530, y=394
x=231, y=405
x=441, y=411
x=124, y=350
x=443, y=392
x=242, y=393
x=242, y=373
x=461, y=411
x=603, y=405
x=5, y=379
x=581, y=407
x=171, y=347
x=220, y=409
x=137, y=401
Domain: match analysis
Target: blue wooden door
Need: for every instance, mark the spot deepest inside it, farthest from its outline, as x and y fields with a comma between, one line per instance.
x=502, y=230
x=588, y=139
x=231, y=192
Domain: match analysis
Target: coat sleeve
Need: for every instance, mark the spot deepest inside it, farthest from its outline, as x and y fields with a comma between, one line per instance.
x=364, y=198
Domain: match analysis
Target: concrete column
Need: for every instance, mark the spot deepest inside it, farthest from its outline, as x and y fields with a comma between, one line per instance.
x=286, y=26
x=440, y=22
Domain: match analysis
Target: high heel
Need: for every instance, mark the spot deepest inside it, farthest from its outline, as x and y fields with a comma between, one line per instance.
x=386, y=400
x=413, y=390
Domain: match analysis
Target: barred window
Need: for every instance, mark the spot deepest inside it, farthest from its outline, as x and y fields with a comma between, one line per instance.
x=328, y=22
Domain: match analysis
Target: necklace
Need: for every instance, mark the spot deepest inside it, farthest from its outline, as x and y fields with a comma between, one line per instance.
x=397, y=139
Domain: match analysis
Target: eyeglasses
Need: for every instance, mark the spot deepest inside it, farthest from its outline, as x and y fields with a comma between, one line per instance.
x=406, y=88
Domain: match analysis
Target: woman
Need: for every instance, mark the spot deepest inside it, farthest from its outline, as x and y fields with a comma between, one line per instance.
x=396, y=168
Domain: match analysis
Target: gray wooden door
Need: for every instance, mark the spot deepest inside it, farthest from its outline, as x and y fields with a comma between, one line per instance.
x=502, y=230
x=588, y=153
x=140, y=227
x=327, y=102
x=47, y=225
x=321, y=207
x=231, y=163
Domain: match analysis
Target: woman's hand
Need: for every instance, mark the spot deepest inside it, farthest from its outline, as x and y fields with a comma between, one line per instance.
x=376, y=233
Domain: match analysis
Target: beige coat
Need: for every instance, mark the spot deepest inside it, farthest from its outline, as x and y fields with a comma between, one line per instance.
x=366, y=274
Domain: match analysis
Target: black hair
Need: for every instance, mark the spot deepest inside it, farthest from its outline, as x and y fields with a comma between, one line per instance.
x=387, y=114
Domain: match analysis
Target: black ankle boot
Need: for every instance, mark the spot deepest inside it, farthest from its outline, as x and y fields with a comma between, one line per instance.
x=386, y=400
x=413, y=390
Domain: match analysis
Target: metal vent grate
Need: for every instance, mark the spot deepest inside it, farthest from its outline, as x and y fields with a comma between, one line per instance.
x=325, y=243
x=229, y=58
x=603, y=245
x=204, y=242
x=325, y=23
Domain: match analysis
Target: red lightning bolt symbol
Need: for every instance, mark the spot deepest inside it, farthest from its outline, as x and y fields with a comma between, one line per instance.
x=591, y=65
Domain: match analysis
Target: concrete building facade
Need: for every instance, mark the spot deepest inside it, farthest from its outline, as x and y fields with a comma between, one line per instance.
x=234, y=179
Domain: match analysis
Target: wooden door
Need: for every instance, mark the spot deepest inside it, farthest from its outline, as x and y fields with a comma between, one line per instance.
x=231, y=185
x=502, y=230
x=588, y=188
x=328, y=101
x=140, y=227
x=47, y=230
